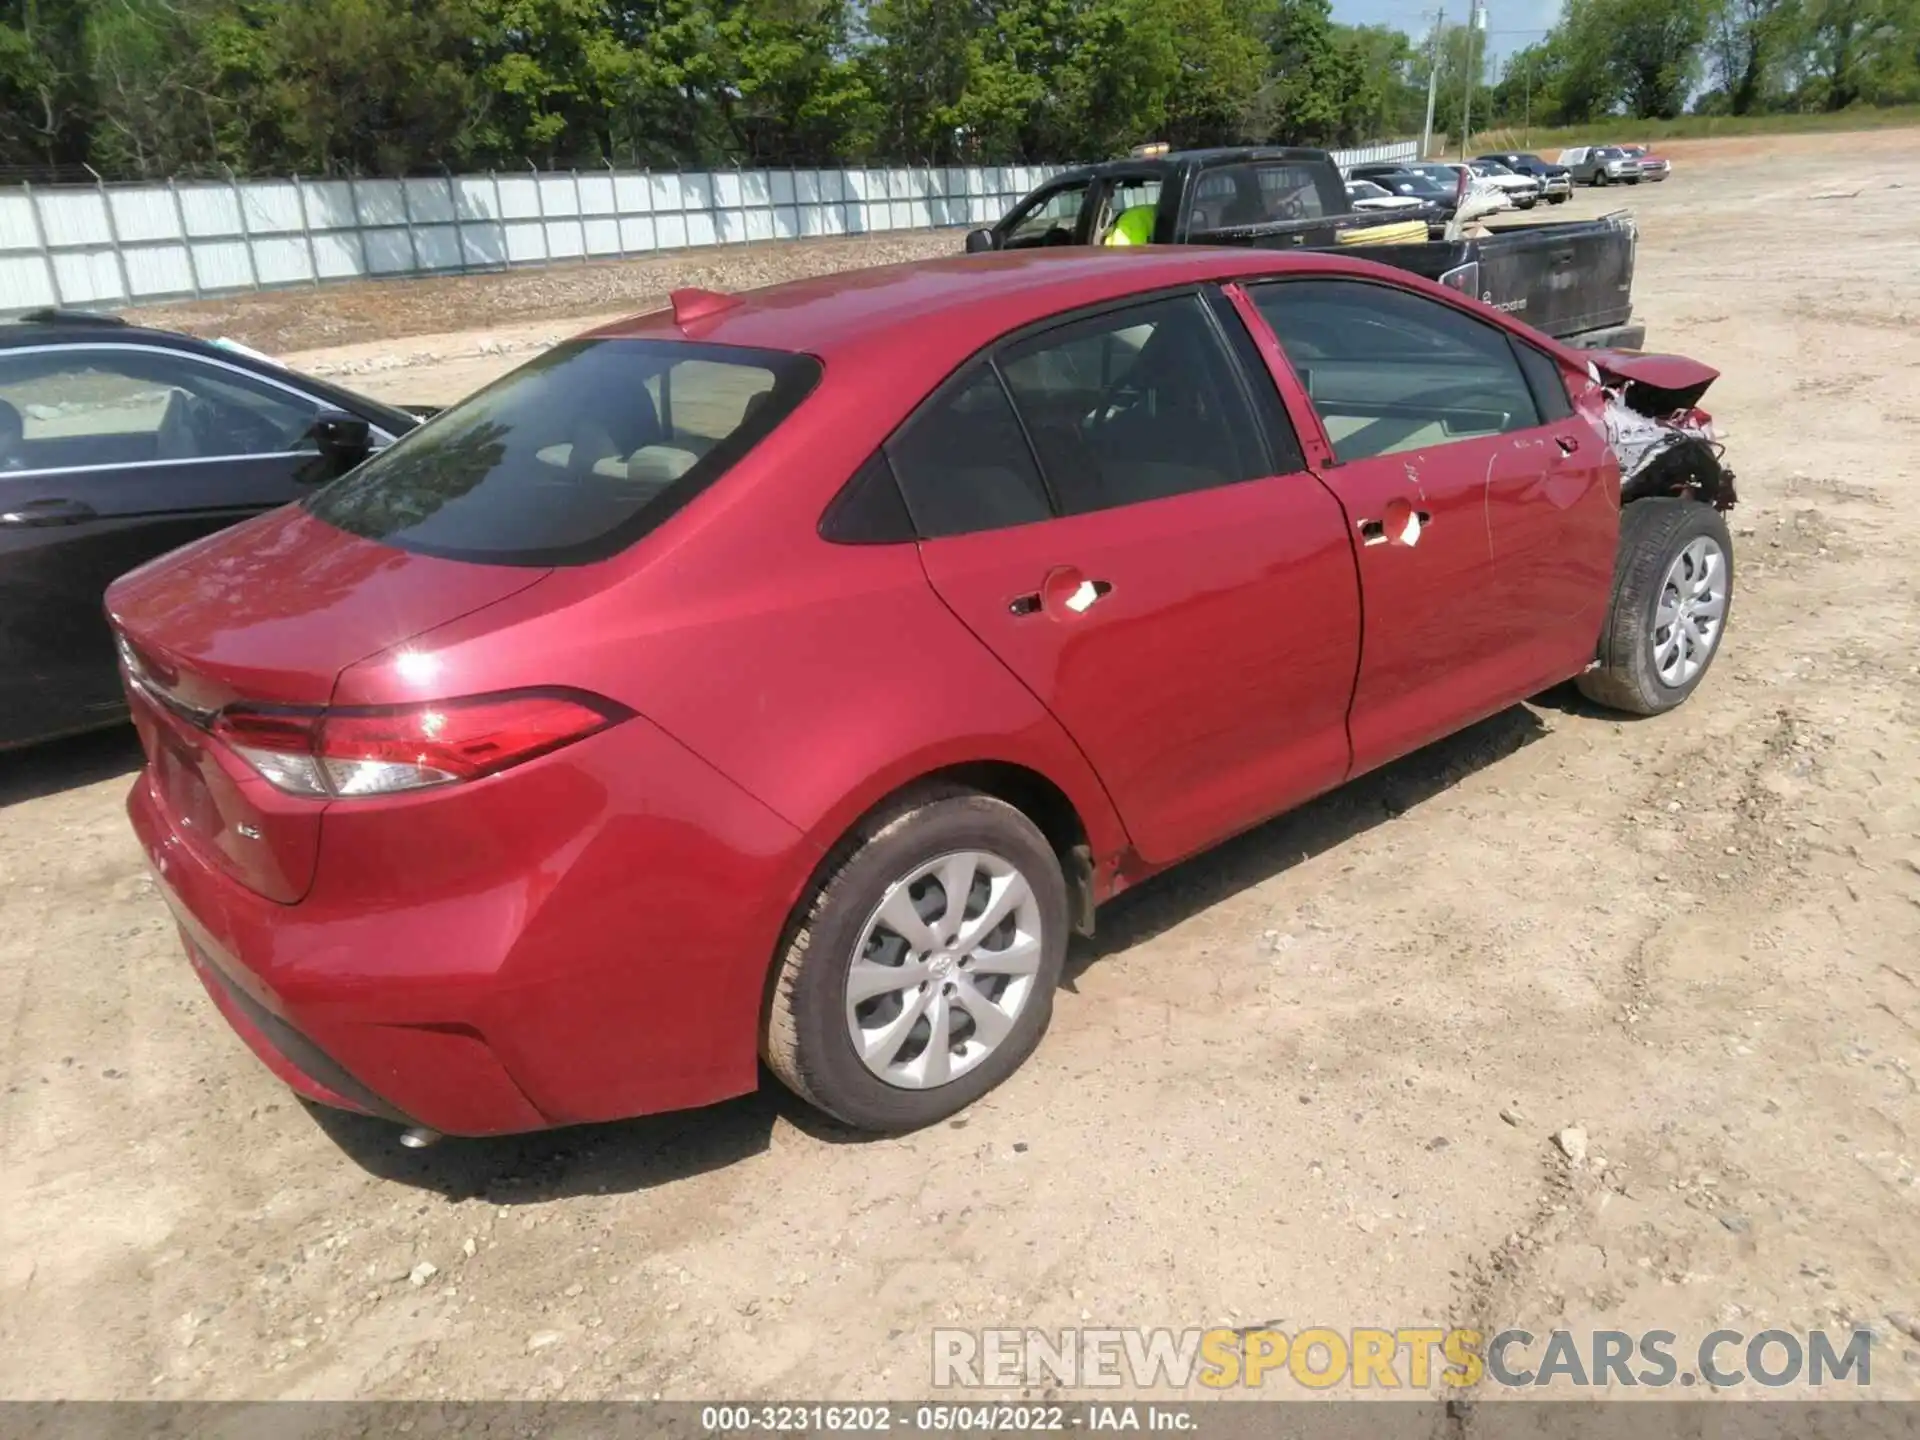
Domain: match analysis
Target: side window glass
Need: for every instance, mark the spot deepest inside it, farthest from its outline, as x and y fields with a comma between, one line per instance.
x=869, y=509
x=963, y=464
x=1134, y=405
x=1544, y=378
x=1129, y=212
x=75, y=407
x=1232, y=196
x=1388, y=371
x=1053, y=221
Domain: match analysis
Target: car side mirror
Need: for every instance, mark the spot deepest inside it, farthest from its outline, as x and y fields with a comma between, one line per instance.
x=342, y=439
x=980, y=240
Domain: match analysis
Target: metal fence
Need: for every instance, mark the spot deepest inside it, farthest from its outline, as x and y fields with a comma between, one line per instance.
x=108, y=245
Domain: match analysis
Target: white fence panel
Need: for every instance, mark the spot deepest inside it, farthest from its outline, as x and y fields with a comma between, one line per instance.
x=271, y=207
x=156, y=270
x=95, y=245
x=428, y=202
x=92, y=275
x=139, y=215
x=329, y=204
x=282, y=259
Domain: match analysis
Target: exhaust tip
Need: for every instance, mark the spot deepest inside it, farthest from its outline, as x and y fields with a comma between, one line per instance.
x=418, y=1137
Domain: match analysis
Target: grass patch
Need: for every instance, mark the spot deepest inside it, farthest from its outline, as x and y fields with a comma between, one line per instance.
x=1625, y=130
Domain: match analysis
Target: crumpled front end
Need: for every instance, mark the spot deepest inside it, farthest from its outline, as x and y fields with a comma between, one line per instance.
x=1665, y=443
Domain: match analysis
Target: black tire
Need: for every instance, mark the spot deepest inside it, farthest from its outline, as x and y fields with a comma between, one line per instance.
x=1652, y=535
x=1599, y=177
x=805, y=1041
x=1558, y=199
x=1524, y=204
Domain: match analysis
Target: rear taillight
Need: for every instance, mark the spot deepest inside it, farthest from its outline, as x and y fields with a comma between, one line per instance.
x=380, y=750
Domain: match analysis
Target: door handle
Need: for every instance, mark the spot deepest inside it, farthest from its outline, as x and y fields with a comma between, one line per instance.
x=1567, y=443
x=1405, y=527
x=56, y=511
x=1063, y=590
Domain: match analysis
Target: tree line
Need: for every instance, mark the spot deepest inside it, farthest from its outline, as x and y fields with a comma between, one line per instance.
x=141, y=88
x=148, y=88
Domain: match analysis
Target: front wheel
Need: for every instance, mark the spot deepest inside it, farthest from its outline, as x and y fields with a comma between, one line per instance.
x=1672, y=593
x=1599, y=177
x=1558, y=199
x=923, y=972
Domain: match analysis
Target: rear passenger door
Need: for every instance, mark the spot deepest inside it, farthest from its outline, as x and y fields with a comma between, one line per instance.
x=1485, y=510
x=1128, y=524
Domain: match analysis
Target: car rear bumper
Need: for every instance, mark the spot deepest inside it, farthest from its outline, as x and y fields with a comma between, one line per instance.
x=485, y=970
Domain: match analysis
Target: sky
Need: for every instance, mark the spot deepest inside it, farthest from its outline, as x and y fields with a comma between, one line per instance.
x=1511, y=24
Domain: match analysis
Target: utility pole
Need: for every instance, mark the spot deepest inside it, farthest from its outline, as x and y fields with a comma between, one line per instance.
x=1433, y=78
x=1528, y=142
x=1476, y=21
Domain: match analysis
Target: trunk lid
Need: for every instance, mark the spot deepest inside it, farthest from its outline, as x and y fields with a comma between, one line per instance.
x=268, y=613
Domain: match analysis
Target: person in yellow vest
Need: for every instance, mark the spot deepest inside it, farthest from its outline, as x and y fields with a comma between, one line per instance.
x=1133, y=227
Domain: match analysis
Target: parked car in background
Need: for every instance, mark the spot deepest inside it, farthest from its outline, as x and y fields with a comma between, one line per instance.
x=1365, y=195
x=1601, y=165
x=118, y=443
x=1556, y=181
x=1652, y=167
x=563, y=762
x=1523, y=190
x=1448, y=173
x=1395, y=177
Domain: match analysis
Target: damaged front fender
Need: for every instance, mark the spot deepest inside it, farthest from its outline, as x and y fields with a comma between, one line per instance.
x=1665, y=444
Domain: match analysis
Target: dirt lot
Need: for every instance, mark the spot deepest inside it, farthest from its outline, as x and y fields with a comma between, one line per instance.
x=1310, y=1079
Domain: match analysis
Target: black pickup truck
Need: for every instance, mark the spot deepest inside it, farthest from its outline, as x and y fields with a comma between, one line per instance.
x=1572, y=279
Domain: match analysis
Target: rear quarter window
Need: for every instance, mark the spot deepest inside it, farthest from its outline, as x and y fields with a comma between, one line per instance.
x=574, y=456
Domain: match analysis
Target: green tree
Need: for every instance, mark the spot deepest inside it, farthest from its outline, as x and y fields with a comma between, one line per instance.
x=46, y=110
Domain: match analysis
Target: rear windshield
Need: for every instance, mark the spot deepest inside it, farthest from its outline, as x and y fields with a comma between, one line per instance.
x=573, y=456
x=1231, y=197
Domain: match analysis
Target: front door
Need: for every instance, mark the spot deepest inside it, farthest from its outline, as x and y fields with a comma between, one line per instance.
x=1484, y=520
x=111, y=455
x=1104, y=506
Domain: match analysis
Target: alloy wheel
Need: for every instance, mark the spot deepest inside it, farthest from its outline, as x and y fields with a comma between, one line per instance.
x=943, y=968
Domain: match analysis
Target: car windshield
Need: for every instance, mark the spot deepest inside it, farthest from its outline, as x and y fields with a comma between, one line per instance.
x=573, y=456
x=1493, y=167
x=1608, y=152
x=1366, y=190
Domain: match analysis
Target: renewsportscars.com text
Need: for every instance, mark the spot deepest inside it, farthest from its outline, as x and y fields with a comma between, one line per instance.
x=1415, y=1358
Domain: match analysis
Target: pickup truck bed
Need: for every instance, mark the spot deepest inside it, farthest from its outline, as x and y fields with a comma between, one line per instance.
x=1571, y=279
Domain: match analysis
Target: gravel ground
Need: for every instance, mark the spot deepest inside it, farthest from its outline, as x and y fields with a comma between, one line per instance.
x=1314, y=1077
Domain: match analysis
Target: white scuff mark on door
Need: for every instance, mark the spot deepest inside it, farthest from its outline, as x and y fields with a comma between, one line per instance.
x=1413, y=478
x=1486, y=500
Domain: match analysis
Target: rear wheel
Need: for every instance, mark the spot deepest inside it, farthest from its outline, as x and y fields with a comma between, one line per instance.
x=922, y=974
x=1672, y=594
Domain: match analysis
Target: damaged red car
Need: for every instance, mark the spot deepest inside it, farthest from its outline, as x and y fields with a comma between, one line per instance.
x=783, y=677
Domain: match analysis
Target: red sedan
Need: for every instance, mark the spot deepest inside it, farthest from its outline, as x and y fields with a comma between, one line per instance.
x=786, y=675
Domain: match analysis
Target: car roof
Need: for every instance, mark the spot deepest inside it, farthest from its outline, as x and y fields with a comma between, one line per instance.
x=966, y=301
